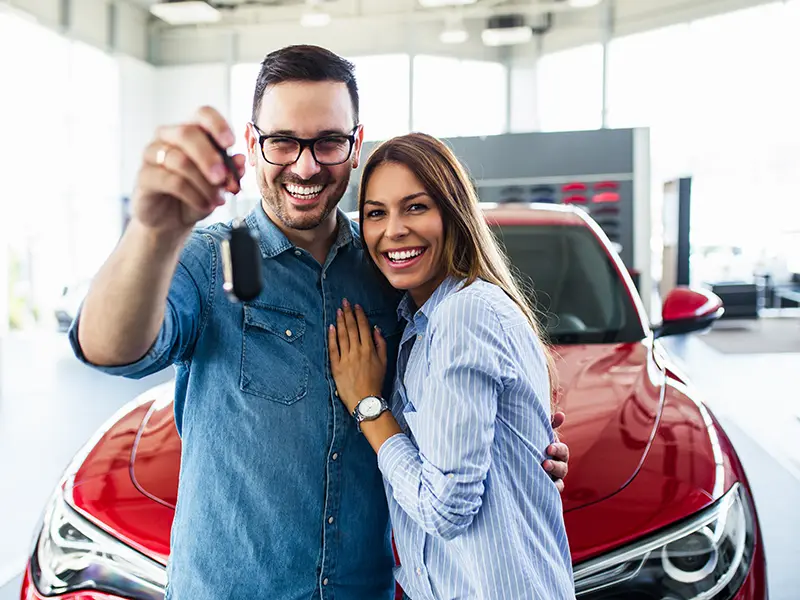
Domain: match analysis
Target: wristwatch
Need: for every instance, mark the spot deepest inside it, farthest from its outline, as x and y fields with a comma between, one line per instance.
x=369, y=409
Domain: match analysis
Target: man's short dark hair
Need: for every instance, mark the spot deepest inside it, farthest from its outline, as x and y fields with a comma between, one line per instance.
x=304, y=63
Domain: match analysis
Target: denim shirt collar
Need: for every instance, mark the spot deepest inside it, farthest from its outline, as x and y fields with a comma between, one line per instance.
x=273, y=241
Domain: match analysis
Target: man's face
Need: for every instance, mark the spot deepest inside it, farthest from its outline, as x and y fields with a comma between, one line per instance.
x=303, y=194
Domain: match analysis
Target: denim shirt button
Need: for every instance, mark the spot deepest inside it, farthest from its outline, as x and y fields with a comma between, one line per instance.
x=325, y=581
x=297, y=253
x=335, y=456
x=288, y=333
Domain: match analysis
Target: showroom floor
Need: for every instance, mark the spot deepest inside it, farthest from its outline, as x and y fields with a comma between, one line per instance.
x=50, y=405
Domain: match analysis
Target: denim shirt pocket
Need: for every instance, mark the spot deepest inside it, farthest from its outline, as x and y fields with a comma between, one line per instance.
x=274, y=363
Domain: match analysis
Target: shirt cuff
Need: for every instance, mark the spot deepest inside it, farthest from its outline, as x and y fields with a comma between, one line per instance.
x=147, y=365
x=396, y=453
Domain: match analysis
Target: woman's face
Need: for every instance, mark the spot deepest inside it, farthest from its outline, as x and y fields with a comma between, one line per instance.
x=403, y=230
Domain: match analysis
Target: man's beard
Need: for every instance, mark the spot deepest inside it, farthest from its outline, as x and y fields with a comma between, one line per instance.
x=275, y=200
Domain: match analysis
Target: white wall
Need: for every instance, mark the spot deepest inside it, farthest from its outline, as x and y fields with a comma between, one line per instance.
x=151, y=97
x=138, y=116
x=180, y=90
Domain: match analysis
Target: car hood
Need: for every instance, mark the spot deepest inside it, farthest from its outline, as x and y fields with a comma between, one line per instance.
x=610, y=393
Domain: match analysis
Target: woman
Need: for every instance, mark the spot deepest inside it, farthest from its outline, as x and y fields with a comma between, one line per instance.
x=474, y=516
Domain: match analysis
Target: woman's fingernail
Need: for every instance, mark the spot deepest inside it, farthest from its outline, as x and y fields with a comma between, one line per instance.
x=218, y=174
x=339, y=311
x=358, y=307
x=345, y=302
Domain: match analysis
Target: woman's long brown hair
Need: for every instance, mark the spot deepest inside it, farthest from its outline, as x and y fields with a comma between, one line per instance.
x=470, y=249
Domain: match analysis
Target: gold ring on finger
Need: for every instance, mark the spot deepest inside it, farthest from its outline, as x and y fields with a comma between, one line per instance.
x=161, y=156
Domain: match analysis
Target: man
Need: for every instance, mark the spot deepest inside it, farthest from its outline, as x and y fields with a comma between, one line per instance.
x=280, y=495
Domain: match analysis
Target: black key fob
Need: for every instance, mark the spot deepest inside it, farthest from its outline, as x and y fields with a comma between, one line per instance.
x=241, y=265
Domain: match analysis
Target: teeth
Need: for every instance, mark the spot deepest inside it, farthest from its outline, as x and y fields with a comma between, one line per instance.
x=304, y=190
x=404, y=254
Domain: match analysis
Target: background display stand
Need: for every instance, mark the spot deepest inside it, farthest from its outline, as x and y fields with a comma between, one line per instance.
x=605, y=172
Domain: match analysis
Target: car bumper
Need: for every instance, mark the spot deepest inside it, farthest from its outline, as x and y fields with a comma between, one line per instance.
x=754, y=587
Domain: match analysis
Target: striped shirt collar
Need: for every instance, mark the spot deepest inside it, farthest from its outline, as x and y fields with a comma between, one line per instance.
x=406, y=308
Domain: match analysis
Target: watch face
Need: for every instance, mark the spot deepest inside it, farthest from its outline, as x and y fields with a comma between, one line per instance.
x=370, y=407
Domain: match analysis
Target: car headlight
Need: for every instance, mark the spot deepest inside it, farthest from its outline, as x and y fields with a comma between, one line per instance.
x=72, y=554
x=706, y=557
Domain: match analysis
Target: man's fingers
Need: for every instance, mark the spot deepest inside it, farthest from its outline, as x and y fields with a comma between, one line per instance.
x=233, y=185
x=193, y=141
x=155, y=180
x=212, y=121
x=557, y=470
x=341, y=333
x=173, y=159
x=558, y=419
x=559, y=452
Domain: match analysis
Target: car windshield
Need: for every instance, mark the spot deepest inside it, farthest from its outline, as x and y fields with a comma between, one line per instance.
x=572, y=283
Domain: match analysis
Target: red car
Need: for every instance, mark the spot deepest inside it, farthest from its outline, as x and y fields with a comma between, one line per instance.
x=656, y=503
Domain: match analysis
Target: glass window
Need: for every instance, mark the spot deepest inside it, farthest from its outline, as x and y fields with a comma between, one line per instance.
x=459, y=97
x=721, y=102
x=572, y=283
x=571, y=89
x=62, y=144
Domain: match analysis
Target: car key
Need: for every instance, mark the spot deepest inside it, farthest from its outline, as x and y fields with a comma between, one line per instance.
x=241, y=258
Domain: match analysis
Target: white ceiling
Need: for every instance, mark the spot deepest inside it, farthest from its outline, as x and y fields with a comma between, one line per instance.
x=359, y=27
x=388, y=12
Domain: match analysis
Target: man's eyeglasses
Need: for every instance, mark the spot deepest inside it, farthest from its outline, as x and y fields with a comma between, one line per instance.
x=327, y=150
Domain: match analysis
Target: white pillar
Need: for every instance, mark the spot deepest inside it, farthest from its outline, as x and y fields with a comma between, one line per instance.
x=608, y=33
x=524, y=88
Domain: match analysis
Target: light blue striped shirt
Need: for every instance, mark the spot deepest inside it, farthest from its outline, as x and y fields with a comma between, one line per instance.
x=474, y=514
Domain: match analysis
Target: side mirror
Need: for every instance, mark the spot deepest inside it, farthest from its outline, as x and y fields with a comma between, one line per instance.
x=686, y=310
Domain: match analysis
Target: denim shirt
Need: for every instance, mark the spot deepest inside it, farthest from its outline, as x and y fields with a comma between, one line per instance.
x=279, y=496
